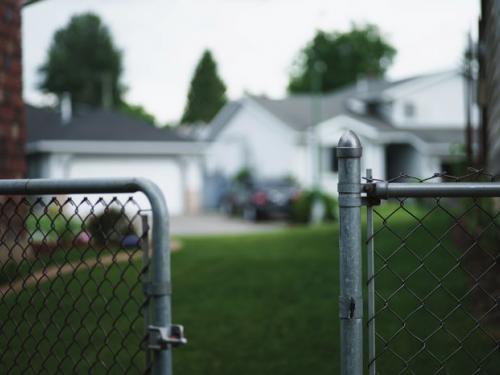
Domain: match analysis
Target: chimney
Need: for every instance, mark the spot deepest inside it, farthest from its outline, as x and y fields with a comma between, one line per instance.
x=66, y=108
x=107, y=91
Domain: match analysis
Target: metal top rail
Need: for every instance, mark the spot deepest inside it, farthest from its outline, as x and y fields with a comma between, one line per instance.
x=385, y=190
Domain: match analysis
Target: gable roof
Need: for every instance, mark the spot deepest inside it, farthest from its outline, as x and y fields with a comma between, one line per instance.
x=297, y=111
x=44, y=124
x=222, y=118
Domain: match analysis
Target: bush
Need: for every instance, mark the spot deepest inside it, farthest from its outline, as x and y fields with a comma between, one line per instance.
x=110, y=227
x=52, y=226
x=244, y=176
x=302, y=207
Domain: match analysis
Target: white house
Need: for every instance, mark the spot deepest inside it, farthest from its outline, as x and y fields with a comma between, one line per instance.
x=415, y=126
x=102, y=143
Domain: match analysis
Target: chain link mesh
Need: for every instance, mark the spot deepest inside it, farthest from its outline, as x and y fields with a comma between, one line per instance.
x=437, y=283
x=71, y=298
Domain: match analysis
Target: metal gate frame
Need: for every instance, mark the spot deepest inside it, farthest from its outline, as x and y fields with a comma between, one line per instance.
x=353, y=194
x=162, y=335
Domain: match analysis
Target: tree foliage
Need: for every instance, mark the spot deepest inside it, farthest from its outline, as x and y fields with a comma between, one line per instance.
x=139, y=112
x=84, y=61
x=207, y=92
x=333, y=60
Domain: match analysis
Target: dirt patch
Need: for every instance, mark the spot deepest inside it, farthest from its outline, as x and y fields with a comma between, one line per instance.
x=58, y=270
x=52, y=272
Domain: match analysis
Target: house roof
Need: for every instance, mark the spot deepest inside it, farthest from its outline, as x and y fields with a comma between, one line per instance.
x=297, y=111
x=223, y=117
x=44, y=124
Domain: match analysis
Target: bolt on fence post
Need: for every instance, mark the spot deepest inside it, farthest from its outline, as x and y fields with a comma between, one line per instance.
x=349, y=152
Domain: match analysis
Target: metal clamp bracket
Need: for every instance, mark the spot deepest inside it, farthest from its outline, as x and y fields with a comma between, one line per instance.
x=349, y=200
x=160, y=338
x=157, y=289
x=343, y=187
x=370, y=201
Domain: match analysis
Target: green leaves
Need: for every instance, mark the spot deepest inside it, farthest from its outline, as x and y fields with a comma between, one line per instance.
x=333, y=60
x=84, y=61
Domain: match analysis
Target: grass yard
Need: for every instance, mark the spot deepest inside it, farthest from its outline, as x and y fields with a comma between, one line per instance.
x=255, y=304
x=262, y=304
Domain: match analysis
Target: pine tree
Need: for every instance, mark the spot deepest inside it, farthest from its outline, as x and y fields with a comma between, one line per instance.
x=207, y=92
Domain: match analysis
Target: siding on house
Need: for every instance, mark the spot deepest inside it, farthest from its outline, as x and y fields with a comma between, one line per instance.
x=255, y=140
x=12, y=126
x=434, y=102
x=489, y=84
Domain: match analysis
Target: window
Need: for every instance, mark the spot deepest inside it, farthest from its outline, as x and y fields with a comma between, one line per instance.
x=409, y=110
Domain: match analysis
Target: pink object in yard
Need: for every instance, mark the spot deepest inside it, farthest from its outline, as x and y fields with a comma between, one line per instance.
x=83, y=238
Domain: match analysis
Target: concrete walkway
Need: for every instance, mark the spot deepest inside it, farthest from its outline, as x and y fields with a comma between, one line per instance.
x=217, y=224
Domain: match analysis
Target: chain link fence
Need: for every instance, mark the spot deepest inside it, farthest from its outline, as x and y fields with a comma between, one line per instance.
x=434, y=280
x=433, y=271
x=79, y=292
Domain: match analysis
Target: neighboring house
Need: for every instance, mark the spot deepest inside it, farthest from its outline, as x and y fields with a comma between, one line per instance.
x=415, y=126
x=102, y=143
x=489, y=85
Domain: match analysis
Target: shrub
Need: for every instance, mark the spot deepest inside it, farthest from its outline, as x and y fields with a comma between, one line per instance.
x=110, y=227
x=243, y=176
x=52, y=226
x=302, y=207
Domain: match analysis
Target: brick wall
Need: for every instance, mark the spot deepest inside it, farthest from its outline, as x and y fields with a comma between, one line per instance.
x=12, y=126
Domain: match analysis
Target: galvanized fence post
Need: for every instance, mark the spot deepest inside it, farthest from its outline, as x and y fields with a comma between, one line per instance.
x=349, y=152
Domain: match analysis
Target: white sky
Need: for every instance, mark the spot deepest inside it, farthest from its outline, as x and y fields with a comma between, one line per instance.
x=253, y=41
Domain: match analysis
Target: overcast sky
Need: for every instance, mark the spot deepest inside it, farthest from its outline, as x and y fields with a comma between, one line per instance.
x=253, y=41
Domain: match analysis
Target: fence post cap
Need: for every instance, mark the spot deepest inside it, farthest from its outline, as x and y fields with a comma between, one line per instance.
x=349, y=140
x=349, y=146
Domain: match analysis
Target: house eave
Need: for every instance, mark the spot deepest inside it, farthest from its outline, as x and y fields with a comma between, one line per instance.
x=385, y=137
x=116, y=147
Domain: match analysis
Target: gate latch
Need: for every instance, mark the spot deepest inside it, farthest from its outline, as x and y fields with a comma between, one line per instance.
x=159, y=338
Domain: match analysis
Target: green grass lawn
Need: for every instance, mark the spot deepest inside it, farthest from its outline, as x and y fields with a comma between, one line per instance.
x=426, y=319
x=255, y=304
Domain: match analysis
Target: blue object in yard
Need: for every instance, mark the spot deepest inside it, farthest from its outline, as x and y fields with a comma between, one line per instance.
x=131, y=240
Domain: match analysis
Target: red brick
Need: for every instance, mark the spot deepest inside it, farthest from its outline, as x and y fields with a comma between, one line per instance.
x=12, y=157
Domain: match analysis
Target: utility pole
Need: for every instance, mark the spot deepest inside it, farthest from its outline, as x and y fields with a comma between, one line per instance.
x=107, y=90
x=468, y=100
x=318, y=207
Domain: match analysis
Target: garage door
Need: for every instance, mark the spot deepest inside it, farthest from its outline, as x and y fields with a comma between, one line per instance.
x=164, y=171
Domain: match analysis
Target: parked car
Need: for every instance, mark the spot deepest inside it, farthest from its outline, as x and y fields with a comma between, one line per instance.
x=260, y=199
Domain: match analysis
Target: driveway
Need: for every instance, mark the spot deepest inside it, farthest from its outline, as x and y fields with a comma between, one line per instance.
x=206, y=224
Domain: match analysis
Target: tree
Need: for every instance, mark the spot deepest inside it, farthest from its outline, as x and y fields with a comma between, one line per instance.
x=84, y=61
x=139, y=112
x=207, y=92
x=333, y=60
